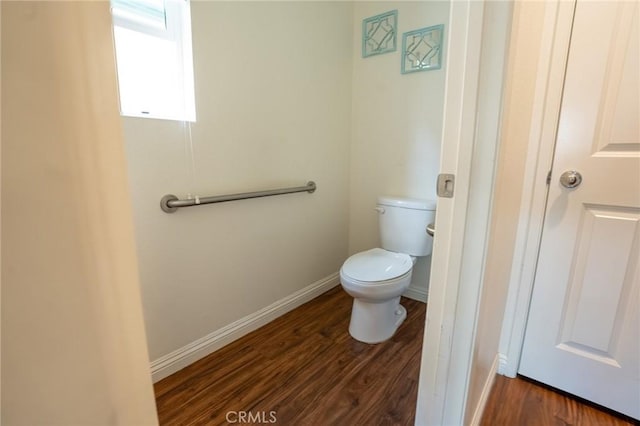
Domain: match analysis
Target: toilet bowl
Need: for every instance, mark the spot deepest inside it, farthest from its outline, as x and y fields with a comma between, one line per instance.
x=376, y=278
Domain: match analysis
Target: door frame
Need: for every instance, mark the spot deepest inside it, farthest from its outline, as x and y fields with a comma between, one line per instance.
x=455, y=285
x=546, y=103
x=447, y=349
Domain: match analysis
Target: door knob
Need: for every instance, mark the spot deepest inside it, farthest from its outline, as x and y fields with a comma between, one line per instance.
x=570, y=179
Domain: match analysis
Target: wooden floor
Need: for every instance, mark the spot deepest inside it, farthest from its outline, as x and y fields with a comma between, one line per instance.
x=522, y=402
x=306, y=369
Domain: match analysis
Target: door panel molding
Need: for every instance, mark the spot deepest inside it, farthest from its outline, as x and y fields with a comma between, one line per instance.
x=614, y=137
x=579, y=329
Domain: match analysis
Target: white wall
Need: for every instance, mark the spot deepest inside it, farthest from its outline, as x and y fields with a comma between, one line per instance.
x=397, y=125
x=283, y=96
x=73, y=341
x=273, y=99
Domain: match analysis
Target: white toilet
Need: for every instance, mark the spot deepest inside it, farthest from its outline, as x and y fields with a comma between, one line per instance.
x=376, y=278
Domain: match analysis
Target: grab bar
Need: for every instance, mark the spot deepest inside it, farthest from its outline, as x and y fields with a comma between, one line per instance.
x=170, y=203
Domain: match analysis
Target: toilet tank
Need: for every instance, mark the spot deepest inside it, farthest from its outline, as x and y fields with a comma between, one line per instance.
x=403, y=223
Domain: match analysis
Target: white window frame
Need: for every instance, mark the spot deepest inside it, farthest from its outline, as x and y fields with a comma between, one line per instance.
x=177, y=29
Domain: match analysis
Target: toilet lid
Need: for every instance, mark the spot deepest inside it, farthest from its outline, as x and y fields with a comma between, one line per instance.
x=377, y=265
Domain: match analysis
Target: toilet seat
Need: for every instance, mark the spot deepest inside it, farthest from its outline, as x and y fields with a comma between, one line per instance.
x=377, y=266
x=392, y=282
x=375, y=291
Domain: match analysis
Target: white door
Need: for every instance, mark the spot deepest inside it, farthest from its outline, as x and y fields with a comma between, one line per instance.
x=583, y=331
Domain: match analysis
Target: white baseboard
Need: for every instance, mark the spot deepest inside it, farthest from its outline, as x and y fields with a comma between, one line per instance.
x=416, y=294
x=486, y=391
x=507, y=368
x=188, y=354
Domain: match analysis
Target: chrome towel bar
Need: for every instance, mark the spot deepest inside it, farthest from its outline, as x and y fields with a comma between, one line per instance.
x=170, y=203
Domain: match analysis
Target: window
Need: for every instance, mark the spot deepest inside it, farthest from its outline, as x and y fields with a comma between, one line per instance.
x=154, y=58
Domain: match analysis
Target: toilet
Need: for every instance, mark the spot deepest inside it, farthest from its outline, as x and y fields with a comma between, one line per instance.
x=376, y=278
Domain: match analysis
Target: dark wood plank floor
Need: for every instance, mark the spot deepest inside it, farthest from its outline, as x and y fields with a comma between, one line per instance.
x=525, y=403
x=306, y=369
